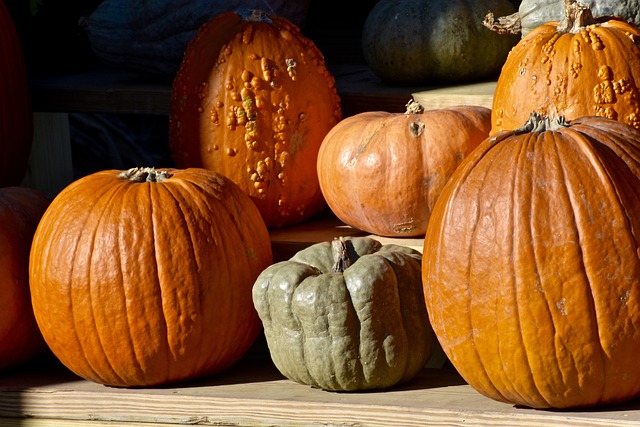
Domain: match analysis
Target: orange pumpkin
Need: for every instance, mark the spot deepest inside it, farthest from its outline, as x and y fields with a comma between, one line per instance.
x=20, y=211
x=16, y=115
x=253, y=100
x=578, y=67
x=532, y=278
x=382, y=172
x=144, y=277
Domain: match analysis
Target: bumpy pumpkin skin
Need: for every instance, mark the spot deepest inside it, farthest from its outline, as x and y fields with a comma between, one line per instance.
x=363, y=328
x=382, y=172
x=434, y=41
x=593, y=71
x=532, y=282
x=253, y=101
x=16, y=114
x=20, y=210
x=146, y=283
x=534, y=13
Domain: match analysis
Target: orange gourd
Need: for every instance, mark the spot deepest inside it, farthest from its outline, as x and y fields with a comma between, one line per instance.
x=16, y=114
x=20, y=210
x=144, y=277
x=382, y=172
x=578, y=67
x=253, y=100
x=531, y=272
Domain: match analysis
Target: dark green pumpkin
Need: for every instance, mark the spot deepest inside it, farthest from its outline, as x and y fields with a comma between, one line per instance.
x=152, y=35
x=429, y=41
x=346, y=315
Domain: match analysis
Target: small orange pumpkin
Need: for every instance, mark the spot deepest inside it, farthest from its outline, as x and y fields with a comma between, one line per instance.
x=20, y=210
x=144, y=277
x=531, y=272
x=253, y=100
x=382, y=172
x=578, y=67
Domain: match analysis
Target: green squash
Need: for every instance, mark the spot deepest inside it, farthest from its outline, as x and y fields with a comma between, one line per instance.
x=434, y=41
x=346, y=315
x=533, y=13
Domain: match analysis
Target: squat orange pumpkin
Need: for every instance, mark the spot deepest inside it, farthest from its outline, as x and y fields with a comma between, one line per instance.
x=144, y=277
x=578, y=67
x=253, y=100
x=382, y=172
x=531, y=271
x=20, y=210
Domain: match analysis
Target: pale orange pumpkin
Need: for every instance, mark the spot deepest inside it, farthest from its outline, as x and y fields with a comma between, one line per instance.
x=578, y=67
x=20, y=210
x=531, y=272
x=382, y=172
x=144, y=277
x=253, y=100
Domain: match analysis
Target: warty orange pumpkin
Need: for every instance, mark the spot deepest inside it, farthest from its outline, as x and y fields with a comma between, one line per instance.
x=531, y=272
x=253, y=100
x=382, y=172
x=20, y=210
x=144, y=277
x=580, y=66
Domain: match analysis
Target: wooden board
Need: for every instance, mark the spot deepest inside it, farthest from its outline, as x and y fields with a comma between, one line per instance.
x=256, y=394
x=480, y=93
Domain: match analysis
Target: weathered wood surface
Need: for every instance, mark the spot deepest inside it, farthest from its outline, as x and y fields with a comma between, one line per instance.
x=254, y=393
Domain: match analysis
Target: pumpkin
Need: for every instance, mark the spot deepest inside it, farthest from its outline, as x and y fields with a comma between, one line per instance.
x=534, y=13
x=434, y=41
x=532, y=282
x=143, y=277
x=578, y=67
x=20, y=210
x=382, y=172
x=253, y=100
x=346, y=315
x=152, y=35
x=16, y=114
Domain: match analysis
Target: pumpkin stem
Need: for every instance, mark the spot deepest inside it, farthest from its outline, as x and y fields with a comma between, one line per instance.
x=510, y=24
x=576, y=17
x=253, y=15
x=414, y=107
x=342, y=259
x=145, y=174
x=539, y=123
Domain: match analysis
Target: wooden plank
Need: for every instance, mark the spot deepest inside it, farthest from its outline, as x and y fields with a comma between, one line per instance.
x=256, y=394
x=480, y=93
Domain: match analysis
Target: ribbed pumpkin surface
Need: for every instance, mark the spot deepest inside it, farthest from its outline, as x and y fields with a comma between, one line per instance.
x=531, y=271
x=142, y=283
x=253, y=100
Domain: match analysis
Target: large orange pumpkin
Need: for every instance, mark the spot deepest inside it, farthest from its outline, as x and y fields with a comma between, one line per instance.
x=578, y=67
x=253, y=100
x=16, y=114
x=531, y=272
x=144, y=277
x=382, y=172
x=20, y=210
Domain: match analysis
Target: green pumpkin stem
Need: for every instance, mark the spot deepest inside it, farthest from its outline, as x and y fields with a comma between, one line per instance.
x=539, y=123
x=341, y=257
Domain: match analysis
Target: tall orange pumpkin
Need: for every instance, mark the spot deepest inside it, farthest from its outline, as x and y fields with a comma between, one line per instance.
x=531, y=272
x=20, y=210
x=578, y=67
x=144, y=277
x=253, y=100
x=382, y=172
x=16, y=114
